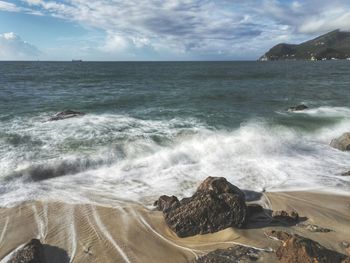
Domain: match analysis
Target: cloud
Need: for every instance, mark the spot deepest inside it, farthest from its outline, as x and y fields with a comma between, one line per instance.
x=6, y=6
x=222, y=29
x=12, y=47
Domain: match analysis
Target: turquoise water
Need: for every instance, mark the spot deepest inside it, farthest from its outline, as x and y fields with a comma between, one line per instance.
x=160, y=128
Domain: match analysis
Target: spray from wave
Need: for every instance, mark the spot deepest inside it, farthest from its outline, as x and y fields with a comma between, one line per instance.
x=101, y=158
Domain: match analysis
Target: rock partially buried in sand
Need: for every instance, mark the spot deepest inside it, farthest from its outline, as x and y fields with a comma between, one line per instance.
x=238, y=253
x=315, y=228
x=66, y=115
x=298, y=108
x=216, y=205
x=285, y=216
x=299, y=249
x=277, y=235
x=32, y=252
x=342, y=143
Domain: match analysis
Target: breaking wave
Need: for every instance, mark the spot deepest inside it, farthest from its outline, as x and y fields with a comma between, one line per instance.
x=101, y=158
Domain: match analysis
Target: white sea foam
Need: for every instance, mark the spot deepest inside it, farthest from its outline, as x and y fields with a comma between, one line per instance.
x=102, y=158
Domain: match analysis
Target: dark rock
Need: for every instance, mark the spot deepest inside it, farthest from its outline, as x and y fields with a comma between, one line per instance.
x=345, y=173
x=277, y=235
x=66, y=114
x=315, y=228
x=285, y=217
x=216, y=205
x=298, y=108
x=219, y=185
x=32, y=252
x=303, y=250
x=342, y=143
x=233, y=254
x=165, y=202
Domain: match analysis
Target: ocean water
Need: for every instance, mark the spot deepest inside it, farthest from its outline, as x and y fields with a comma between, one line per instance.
x=161, y=128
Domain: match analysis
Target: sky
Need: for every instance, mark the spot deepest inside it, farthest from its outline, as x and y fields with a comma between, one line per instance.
x=153, y=30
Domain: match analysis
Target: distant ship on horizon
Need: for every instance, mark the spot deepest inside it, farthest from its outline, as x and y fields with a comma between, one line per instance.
x=77, y=60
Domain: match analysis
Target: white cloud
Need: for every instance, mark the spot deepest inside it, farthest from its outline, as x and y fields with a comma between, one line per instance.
x=6, y=6
x=115, y=43
x=198, y=28
x=12, y=47
x=327, y=21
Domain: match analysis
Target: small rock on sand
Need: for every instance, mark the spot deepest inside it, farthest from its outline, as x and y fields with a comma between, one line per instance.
x=303, y=250
x=238, y=253
x=288, y=217
x=315, y=228
x=32, y=252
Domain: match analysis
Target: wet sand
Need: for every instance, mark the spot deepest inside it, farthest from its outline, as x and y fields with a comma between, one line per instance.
x=129, y=232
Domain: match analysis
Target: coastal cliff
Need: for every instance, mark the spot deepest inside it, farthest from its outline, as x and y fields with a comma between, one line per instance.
x=333, y=45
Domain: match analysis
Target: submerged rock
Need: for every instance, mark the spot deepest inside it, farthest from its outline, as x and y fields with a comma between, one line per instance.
x=66, y=114
x=233, y=254
x=342, y=143
x=299, y=249
x=345, y=173
x=298, y=108
x=216, y=205
x=32, y=252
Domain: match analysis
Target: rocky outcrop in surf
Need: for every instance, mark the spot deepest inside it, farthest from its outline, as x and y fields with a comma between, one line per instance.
x=32, y=252
x=342, y=143
x=66, y=115
x=216, y=205
x=298, y=108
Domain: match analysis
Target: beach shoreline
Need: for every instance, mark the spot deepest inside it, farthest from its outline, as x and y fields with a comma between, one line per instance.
x=130, y=232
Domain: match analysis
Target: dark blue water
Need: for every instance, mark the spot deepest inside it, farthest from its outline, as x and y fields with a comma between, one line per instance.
x=150, y=127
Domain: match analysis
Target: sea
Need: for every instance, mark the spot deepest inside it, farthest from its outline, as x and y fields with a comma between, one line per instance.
x=154, y=128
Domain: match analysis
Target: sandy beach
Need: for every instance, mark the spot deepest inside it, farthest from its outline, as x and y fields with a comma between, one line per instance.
x=129, y=232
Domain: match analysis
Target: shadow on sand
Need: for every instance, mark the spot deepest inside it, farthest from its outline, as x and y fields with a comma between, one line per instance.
x=55, y=254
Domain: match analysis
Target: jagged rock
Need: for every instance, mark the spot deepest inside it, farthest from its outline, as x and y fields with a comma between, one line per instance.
x=66, y=114
x=219, y=185
x=315, y=228
x=165, y=202
x=303, y=250
x=238, y=253
x=342, y=143
x=286, y=217
x=298, y=108
x=216, y=205
x=32, y=252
